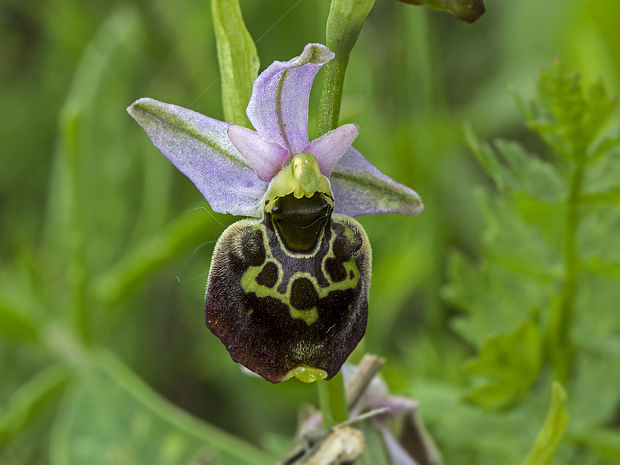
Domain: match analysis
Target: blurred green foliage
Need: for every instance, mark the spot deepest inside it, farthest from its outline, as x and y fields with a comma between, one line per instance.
x=532, y=273
x=105, y=247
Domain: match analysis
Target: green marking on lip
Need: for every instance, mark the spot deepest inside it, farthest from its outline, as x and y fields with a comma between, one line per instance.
x=249, y=284
x=309, y=316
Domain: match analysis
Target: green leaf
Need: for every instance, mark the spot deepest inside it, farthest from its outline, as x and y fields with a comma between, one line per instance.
x=568, y=118
x=517, y=242
x=593, y=361
x=602, y=175
x=79, y=171
x=605, y=442
x=553, y=430
x=474, y=436
x=486, y=157
x=610, y=142
x=600, y=250
x=29, y=399
x=111, y=417
x=510, y=364
x=237, y=57
x=14, y=322
x=21, y=315
x=531, y=175
x=515, y=170
x=596, y=336
x=495, y=300
x=546, y=244
x=465, y=10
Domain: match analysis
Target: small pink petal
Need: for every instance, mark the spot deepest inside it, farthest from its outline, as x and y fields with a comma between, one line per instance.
x=267, y=158
x=330, y=147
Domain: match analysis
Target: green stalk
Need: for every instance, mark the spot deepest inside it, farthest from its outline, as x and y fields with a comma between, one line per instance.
x=332, y=401
x=562, y=314
x=344, y=24
x=331, y=96
x=237, y=57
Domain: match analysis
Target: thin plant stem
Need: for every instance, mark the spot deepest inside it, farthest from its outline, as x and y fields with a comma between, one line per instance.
x=332, y=401
x=562, y=313
x=344, y=23
x=331, y=95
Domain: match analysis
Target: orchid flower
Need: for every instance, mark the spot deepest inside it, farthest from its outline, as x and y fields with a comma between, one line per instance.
x=287, y=291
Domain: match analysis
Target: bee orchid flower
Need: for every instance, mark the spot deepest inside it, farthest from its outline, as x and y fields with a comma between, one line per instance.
x=287, y=291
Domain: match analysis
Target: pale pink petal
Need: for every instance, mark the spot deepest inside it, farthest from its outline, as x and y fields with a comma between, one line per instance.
x=267, y=158
x=330, y=147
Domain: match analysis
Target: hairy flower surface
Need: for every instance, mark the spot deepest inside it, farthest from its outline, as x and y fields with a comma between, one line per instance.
x=287, y=291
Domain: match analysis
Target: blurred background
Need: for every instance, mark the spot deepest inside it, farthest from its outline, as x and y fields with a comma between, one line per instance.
x=105, y=247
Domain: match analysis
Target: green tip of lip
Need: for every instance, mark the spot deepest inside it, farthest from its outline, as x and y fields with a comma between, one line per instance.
x=306, y=374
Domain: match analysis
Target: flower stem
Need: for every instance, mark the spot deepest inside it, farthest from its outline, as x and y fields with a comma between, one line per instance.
x=332, y=400
x=331, y=94
x=344, y=24
x=562, y=313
